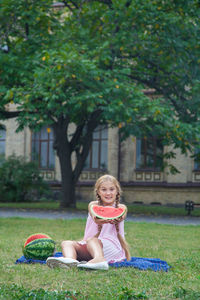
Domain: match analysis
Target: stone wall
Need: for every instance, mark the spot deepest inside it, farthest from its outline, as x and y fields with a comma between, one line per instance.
x=148, y=195
x=161, y=195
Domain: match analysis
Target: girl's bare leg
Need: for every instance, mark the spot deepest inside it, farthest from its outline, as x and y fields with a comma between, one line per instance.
x=95, y=248
x=72, y=249
x=92, y=252
x=68, y=249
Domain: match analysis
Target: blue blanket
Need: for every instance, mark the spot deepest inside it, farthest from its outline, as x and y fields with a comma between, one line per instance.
x=140, y=263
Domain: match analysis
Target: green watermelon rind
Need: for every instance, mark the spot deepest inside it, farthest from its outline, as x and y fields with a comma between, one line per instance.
x=107, y=218
x=39, y=249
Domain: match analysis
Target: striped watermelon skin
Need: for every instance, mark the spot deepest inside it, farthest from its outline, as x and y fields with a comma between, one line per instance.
x=39, y=249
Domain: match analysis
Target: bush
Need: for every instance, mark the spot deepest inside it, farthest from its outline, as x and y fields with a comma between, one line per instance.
x=19, y=179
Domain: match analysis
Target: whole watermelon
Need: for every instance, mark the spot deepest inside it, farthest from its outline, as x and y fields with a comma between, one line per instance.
x=39, y=246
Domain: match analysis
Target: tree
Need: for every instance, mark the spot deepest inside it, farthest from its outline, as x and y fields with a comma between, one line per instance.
x=90, y=63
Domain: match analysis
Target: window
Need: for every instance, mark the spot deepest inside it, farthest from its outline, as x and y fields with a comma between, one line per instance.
x=2, y=144
x=42, y=148
x=98, y=155
x=197, y=160
x=149, y=154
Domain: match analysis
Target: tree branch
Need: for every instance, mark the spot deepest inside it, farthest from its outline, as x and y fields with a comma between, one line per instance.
x=60, y=130
x=76, y=136
x=92, y=124
x=107, y=2
x=9, y=114
x=27, y=30
x=73, y=3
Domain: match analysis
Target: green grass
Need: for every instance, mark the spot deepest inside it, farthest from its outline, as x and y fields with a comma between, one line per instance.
x=135, y=209
x=52, y=205
x=31, y=205
x=161, y=210
x=178, y=245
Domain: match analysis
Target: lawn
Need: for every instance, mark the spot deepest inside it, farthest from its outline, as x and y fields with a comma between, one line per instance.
x=178, y=245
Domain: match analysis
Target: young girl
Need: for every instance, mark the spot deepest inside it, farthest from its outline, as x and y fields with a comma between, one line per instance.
x=103, y=240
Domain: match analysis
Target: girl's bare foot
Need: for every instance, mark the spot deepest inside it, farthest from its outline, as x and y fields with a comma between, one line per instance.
x=97, y=260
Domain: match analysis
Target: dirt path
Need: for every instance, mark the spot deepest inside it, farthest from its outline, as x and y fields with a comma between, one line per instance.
x=57, y=214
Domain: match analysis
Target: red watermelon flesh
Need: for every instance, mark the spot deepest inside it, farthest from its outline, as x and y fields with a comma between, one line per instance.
x=107, y=212
x=35, y=237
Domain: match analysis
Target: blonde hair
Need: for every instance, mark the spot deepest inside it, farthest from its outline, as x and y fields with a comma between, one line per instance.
x=113, y=180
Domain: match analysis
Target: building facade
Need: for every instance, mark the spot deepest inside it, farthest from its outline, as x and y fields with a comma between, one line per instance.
x=136, y=163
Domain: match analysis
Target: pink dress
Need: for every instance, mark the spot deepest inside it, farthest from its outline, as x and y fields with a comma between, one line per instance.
x=113, y=251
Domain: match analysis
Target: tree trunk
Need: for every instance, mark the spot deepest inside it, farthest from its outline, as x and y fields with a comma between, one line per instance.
x=68, y=183
x=64, y=148
x=68, y=187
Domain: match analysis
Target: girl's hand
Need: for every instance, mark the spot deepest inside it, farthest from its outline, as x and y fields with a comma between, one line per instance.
x=115, y=221
x=100, y=221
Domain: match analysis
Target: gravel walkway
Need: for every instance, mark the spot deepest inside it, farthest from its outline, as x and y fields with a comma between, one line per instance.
x=57, y=214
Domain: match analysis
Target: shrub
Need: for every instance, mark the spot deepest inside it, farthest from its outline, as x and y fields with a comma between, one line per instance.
x=19, y=179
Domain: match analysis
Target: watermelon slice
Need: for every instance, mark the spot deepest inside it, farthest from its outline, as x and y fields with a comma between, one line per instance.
x=107, y=212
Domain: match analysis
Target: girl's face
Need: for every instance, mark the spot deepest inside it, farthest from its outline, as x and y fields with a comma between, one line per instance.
x=108, y=192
